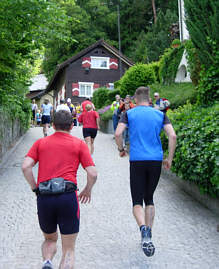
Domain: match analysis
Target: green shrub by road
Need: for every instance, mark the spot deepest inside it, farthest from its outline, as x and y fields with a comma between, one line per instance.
x=196, y=157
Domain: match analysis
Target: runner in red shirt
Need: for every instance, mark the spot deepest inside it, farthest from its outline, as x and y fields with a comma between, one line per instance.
x=90, y=120
x=59, y=156
x=87, y=101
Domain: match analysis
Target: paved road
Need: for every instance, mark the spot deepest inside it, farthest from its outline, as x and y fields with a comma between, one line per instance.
x=184, y=232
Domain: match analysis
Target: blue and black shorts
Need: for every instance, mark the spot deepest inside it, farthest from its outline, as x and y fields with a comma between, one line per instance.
x=59, y=209
x=46, y=119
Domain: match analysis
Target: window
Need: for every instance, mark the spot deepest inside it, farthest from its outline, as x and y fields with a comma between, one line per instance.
x=100, y=62
x=86, y=89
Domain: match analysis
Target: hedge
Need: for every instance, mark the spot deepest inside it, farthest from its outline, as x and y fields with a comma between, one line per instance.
x=197, y=150
x=169, y=64
x=136, y=76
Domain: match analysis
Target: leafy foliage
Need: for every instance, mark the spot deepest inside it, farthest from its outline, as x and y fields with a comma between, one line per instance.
x=203, y=24
x=169, y=63
x=100, y=97
x=136, y=76
x=196, y=156
x=194, y=66
x=152, y=41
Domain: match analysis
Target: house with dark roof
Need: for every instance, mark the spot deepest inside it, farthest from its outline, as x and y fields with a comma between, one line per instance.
x=99, y=65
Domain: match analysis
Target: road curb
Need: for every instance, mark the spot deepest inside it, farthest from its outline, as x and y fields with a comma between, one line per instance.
x=193, y=190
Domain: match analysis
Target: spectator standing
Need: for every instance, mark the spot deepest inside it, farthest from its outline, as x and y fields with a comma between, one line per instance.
x=146, y=156
x=59, y=156
x=46, y=110
x=114, y=107
x=34, y=108
x=90, y=120
x=161, y=104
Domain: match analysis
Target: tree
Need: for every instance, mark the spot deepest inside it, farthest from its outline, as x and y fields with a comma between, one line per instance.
x=202, y=20
x=154, y=11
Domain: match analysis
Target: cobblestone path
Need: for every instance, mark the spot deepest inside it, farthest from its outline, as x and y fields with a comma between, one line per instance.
x=185, y=233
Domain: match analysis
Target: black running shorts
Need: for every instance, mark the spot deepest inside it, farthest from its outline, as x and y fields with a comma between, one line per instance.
x=144, y=177
x=46, y=119
x=92, y=132
x=59, y=209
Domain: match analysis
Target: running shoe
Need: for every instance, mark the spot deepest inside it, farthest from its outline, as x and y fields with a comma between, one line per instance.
x=146, y=243
x=47, y=265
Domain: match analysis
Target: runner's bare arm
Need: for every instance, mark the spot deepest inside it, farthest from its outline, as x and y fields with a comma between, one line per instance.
x=118, y=137
x=98, y=123
x=168, y=128
x=85, y=195
x=27, y=167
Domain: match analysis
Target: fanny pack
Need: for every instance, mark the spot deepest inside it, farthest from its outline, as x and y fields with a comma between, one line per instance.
x=56, y=185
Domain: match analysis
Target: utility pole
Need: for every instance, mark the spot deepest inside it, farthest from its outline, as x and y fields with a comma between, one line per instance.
x=120, y=65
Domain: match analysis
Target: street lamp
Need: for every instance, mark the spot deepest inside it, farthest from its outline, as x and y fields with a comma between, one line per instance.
x=120, y=66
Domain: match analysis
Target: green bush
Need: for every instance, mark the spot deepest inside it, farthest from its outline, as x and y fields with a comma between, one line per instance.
x=100, y=97
x=107, y=115
x=194, y=66
x=169, y=64
x=156, y=67
x=197, y=150
x=208, y=88
x=136, y=76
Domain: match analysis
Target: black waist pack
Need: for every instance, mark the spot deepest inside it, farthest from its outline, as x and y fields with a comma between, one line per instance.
x=56, y=185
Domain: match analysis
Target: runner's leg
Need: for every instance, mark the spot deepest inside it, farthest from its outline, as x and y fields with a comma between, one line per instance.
x=137, y=185
x=153, y=175
x=49, y=246
x=88, y=142
x=92, y=146
x=68, y=251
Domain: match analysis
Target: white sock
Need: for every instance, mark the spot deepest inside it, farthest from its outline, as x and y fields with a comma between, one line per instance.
x=47, y=261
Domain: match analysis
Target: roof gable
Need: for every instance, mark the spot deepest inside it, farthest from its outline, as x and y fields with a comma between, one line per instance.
x=102, y=43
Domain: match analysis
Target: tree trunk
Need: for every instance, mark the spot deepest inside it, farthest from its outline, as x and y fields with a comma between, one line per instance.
x=154, y=11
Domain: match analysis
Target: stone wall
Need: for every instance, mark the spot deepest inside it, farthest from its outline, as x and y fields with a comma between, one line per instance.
x=106, y=126
x=10, y=132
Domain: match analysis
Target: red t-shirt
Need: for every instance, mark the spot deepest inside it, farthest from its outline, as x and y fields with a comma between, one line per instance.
x=83, y=104
x=89, y=119
x=59, y=155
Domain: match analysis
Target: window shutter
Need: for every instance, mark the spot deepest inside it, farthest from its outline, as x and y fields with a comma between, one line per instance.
x=75, y=89
x=86, y=62
x=113, y=63
x=96, y=86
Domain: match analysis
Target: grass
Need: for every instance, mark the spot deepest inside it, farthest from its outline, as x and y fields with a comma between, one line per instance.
x=177, y=93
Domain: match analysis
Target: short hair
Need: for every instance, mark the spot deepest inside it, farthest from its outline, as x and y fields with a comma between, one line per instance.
x=88, y=107
x=62, y=120
x=142, y=94
x=62, y=101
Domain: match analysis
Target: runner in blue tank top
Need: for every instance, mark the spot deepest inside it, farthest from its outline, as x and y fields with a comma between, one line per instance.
x=146, y=157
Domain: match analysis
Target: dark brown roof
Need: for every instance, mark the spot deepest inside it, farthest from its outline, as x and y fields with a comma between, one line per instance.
x=34, y=94
x=101, y=42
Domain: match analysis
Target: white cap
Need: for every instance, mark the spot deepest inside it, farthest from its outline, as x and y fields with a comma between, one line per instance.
x=69, y=100
x=156, y=94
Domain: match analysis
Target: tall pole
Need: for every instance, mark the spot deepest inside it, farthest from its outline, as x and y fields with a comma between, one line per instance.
x=120, y=65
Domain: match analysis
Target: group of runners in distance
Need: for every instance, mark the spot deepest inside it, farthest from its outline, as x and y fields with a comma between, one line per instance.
x=56, y=184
